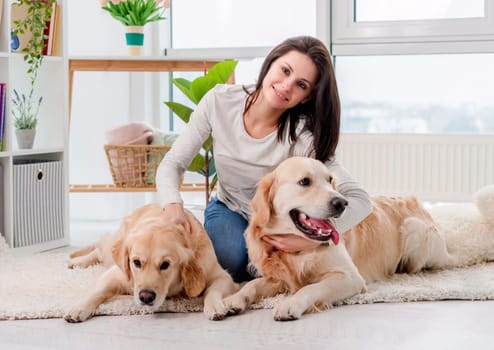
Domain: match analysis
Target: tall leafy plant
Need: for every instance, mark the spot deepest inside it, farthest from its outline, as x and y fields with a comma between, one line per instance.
x=39, y=12
x=220, y=73
x=38, y=16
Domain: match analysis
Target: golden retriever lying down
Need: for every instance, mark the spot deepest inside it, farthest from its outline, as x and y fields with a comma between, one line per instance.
x=153, y=260
x=298, y=197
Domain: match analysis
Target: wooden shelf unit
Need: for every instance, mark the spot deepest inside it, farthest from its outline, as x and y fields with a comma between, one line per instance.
x=131, y=64
x=81, y=188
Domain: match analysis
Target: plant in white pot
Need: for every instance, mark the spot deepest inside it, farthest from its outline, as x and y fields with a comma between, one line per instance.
x=134, y=15
x=25, y=112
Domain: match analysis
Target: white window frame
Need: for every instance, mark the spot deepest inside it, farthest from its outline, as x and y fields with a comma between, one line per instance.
x=323, y=19
x=462, y=35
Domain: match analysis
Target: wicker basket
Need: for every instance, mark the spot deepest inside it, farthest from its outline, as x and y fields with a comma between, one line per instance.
x=134, y=165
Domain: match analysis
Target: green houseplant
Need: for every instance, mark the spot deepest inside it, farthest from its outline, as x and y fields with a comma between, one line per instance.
x=38, y=15
x=134, y=14
x=25, y=107
x=203, y=162
x=25, y=112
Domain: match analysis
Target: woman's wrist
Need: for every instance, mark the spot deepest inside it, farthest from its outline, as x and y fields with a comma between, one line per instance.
x=173, y=206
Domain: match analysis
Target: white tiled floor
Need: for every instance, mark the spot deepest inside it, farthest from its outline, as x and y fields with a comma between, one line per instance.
x=429, y=325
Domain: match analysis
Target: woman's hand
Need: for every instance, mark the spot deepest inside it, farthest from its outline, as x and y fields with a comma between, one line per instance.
x=175, y=213
x=290, y=243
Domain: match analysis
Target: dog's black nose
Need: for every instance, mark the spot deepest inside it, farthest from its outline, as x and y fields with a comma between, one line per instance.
x=338, y=204
x=147, y=296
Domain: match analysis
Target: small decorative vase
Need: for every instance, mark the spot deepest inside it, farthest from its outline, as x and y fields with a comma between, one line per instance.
x=25, y=138
x=134, y=37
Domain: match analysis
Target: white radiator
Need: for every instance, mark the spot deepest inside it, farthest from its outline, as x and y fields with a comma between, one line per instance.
x=431, y=167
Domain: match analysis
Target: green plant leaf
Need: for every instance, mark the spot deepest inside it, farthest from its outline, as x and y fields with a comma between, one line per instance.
x=200, y=86
x=197, y=164
x=218, y=74
x=223, y=70
x=208, y=144
x=185, y=86
x=213, y=182
x=182, y=111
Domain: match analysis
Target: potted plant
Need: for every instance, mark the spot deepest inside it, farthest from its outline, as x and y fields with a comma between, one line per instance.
x=134, y=14
x=220, y=73
x=25, y=107
x=25, y=112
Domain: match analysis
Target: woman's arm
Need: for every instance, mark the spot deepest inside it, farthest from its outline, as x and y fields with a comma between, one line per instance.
x=183, y=150
x=176, y=161
x=359, y=203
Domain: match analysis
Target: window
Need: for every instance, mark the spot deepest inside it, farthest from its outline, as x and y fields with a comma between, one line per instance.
x=412, y=27
x=414, y=66
x=392, y=10
x=239, y=23
x=441, y=94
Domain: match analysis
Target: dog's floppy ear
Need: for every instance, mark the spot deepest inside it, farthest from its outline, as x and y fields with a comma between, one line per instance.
x=261, y=203
x=193, y=278
x=120, y=255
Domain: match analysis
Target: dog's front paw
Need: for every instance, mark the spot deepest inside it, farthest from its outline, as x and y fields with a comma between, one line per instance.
x=235, y=304
x=76, y=315
x=288, y=310
x=215, y=310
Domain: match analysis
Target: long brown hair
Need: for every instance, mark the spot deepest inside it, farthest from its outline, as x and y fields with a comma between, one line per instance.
x=322, y=111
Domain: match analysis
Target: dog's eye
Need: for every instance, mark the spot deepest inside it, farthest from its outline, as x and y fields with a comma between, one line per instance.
x=330, y=179
x=164, y=265
x=137, y=263
x=305, y=182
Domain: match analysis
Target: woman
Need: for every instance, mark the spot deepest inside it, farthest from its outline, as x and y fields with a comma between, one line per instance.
x=293, y=109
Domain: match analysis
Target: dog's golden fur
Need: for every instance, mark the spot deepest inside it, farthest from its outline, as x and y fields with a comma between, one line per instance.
x=153, y=260
x=399, y=235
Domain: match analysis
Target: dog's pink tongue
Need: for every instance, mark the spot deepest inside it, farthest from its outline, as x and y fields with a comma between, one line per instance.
x=326, y=226
x=335, y=236
x=323, y=224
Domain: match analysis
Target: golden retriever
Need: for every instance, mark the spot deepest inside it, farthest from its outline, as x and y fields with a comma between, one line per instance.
x=298, y=197
x=153, y=260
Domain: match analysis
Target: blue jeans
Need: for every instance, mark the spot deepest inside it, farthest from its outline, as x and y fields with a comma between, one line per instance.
x=226, y=230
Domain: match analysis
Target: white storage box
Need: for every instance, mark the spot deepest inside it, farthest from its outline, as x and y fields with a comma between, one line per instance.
x=38, y=202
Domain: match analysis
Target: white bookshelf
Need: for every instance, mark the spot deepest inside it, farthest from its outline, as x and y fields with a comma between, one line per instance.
x=51, y=142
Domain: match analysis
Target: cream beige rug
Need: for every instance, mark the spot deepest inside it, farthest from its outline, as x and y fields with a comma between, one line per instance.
x=40, y=286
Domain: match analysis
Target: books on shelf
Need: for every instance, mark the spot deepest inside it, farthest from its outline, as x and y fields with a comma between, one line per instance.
x=51, y=30
x=3, y=116
x=1, y=10
x=19, y=42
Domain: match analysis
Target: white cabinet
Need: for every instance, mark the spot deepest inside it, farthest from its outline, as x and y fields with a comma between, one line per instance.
x=50, y=145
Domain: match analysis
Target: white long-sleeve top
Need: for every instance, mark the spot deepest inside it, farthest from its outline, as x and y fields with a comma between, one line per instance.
x=242, y=160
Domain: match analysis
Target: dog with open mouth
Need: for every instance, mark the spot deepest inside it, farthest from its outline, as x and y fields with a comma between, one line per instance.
x=299, y=197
